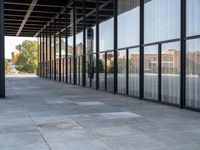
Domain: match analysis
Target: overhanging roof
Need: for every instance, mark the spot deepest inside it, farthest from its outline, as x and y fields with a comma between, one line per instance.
x=29, y=17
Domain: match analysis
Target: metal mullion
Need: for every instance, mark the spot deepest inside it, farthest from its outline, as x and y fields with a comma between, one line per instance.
x=127, y=71
x=55, y=50
x=115, y=44
x=74, y=43
x=46, y=52
x=141, y=49
x=105, y=71
x=40, y=54
x=66, y=45
x=84, y=46
x=43, y=56
x=183, y=54
x=97, y=44
x=159, y=72
x=59, y=48
x=50, y=53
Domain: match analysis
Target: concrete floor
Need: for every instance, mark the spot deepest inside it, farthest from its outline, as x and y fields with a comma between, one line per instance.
x=39, y=114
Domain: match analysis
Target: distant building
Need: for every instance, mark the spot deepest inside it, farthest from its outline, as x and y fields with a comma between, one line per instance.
x=15, y=56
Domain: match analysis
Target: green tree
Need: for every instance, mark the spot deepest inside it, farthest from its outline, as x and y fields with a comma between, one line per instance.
x=8, y=67
x=28, y=54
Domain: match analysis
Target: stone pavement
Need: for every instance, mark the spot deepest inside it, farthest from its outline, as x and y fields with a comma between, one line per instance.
x=39, y=114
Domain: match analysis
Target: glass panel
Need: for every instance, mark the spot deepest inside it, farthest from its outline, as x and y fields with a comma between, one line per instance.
x=106, y=28
x=193, y=17
x=128, y=23
x=102, y=71
x=110, y=71
x=193, y=73
x=134, y=72
x=121, y=76
x=88, y=70
x=93, y=77
x=161, y=20
x=151, y=72
x=171, y=73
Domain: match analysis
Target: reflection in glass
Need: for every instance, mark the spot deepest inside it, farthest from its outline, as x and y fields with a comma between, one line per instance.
x=151, y=72
x=134, y=72
x=193, y=73
x=171, y=73
x=121, y=76
x=128, y=23
x=87, y=70
x=161, y=20
x=93, y=73
x=102, y=71
x=110, y=71
x=193, y=17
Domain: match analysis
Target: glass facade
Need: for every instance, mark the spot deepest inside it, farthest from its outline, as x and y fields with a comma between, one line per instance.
x=170, y=72
x=147, y=50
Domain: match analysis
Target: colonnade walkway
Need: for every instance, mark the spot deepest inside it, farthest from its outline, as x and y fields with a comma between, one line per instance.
x=40, y=114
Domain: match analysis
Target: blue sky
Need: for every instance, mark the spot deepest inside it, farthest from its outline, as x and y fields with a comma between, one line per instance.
x=11, y=42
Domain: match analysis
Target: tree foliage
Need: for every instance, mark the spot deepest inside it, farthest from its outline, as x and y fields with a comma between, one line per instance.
x=8, y=67
x=28, y=54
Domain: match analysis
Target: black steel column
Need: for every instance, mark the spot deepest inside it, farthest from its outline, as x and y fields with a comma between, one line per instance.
x=55, y=50
x=141, y=49
x=60, y=48
x=183, y=53
x=50, y=53
x=97, y=44
x=84, y=46
x=46, y=52
x=159, y=72
x=115, y=44
x=2, y=57
x=66, y=45
x=74, y=42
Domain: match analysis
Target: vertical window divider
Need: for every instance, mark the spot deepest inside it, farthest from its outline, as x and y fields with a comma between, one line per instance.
x=183, y=54
x=40, y=67
x=159, y=72
x=55, y=50
x=60, y=49
x=105, y=71
x=43, y=56
x=97, y=44
x=115, y=44
x=74, y=43
x=84, y=45
x=127, y=71
x=141, y=49
x=66, y=45
x=46, y=52
x=50, y=53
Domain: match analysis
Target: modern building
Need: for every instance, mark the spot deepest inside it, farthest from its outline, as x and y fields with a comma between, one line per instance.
x=149, y=49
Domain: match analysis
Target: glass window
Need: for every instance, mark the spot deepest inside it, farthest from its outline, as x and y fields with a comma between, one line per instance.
x=121, y=76
x=171, y=73
x=193, y=17
x=93, y=76
x=128, y=23
x=106, y=28
x=134, y=72
x=88, y=70
x=102, y=71
x=161, y=20
x=151, y=72
x=110, y=71
x=193, y=73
